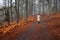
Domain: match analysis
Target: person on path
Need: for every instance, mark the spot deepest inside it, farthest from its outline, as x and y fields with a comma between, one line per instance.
x=38, y=18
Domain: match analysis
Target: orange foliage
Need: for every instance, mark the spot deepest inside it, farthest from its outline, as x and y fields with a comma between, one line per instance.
x=7, y=28
x=53, y=27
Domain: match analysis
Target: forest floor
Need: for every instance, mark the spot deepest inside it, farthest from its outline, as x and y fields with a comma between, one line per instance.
x=47, y=29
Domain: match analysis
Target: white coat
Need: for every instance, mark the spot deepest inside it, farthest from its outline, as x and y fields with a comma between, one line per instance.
x=38, y=17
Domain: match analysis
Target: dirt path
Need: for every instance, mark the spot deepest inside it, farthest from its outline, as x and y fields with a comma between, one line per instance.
x=35, y=32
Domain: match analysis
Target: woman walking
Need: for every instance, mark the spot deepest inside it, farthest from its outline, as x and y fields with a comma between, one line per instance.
x=38, y=18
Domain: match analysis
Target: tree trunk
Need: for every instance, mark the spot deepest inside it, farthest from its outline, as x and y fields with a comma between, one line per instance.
x=17, y=9
x=7, y=17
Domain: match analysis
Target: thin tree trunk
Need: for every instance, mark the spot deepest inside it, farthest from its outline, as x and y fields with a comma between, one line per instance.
x=11, y=10
x=7, y=17
x=26, y=14
x=17, y=10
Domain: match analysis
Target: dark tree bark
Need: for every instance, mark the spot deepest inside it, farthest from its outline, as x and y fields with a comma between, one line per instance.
x=17, y=9
x=7, y=16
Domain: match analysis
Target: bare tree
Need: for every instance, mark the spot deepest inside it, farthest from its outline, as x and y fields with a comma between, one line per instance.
x=17, y=9
x=26, y=14
x=7, y=16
